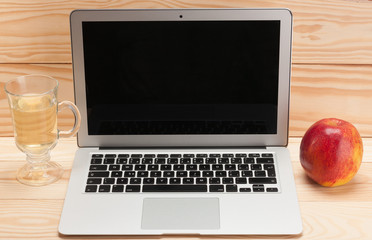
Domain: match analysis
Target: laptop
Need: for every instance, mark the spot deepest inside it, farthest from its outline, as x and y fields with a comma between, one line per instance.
x=184, y=123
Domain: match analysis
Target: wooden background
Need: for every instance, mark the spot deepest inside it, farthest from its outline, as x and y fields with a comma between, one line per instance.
x=332, y=52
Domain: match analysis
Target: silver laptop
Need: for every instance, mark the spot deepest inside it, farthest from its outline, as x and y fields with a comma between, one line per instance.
x=184, y=123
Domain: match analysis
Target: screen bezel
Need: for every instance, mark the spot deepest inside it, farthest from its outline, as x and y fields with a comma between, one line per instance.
x=77, y=17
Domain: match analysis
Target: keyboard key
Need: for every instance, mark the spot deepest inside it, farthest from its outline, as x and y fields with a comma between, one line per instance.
x=242, y=155
x=114, y=167
x=181, y=174
x=221, y=174
x=230, y=167
x=129, y=174
x=134, y=188
x=201, y=181
x=214, y=181
x=248, y=160
x=262, y=180
x=195, y=174
x=243, y=167
x=227, y=180
x=204, y=167
x=91, y=188
x=97, y=155
x=216, y=188
x=175, y=155
x=160, y=161
x=236, y=160
x=162, y=155
x=147, y=161
x=104, y=188
x=174, y=188
x=191, y=167
x=254, y=155
x=265, y=160
x=269, y=166
x=148, y=181
x=149, y=156
x=166, y=167
x=241, y=180
x=271, y=189
x=211, y=160
x=127, y=167
x=247, y=174
x=217, y=167
x=231, y=188
x=110, y=156
x=267, y=155
x=234, y=174
x=98, y=174
x=178, y=167
x=168, y=174
x=118, y=188
x=260, y=173
x=98, y=167
x=94, y=181
x=136, y=155
x=108, y=180
x=153, y=167
x=228, y=155
x=161, y=180
x=245, y=190
x=134, y=160
x=207, y=173
x=135, y=181
x=198, y=161
x=256, y=167
x=224, y=160
x=122, y=181
x=109, y=161
x=123, y=156
x=140, y=167
x=258, y=188
x=155, y=174
x=188, y=155
x=172, y=160
x=214, y=155
x=185, y=160
x=201, y=155
x=96, y=161
x=271, y=173
x=174, y=180
x=142, y=174
x=116, y=174
x=188, y=181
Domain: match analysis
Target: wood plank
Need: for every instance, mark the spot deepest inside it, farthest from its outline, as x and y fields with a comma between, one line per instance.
x=318, y=91
x=329, y=31
x=340, y=91
x=39, y=219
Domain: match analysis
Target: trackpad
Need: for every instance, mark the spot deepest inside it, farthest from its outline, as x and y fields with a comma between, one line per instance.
x=181, y=213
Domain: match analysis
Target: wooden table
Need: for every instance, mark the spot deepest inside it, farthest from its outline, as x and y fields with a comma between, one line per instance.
x=328, y=213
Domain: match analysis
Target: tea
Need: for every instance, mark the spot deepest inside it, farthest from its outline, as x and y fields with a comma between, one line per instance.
x=35, y=123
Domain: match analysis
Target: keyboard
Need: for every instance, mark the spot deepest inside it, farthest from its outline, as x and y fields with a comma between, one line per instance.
x=202, y=172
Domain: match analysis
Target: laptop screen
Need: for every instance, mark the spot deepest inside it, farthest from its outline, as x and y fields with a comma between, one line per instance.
x=181, y=77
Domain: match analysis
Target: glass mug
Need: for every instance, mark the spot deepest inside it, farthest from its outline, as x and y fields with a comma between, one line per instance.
x=33, y=104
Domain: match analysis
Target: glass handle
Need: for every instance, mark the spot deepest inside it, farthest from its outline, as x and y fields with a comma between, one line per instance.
x=67, y=104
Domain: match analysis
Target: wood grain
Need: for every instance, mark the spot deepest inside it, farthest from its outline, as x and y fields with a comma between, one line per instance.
x=329, y=31
x=21, y=219
x=317, y=91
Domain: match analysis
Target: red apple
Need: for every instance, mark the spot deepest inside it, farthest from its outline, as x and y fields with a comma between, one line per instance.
x=331, y=152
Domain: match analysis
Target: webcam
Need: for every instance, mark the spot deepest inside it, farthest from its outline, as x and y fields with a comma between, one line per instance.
x=181, y=16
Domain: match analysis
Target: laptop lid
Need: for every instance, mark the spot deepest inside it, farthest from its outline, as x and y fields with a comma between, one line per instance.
x=182, y=77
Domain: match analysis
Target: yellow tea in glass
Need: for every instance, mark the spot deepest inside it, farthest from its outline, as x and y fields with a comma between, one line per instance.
x=33, y=104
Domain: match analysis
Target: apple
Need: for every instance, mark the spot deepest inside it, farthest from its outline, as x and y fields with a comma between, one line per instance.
x=331, y=152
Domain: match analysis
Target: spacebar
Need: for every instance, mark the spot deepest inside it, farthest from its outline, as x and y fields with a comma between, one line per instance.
x=174, y=188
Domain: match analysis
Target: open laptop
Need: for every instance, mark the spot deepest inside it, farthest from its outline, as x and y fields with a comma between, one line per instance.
x=184, y=123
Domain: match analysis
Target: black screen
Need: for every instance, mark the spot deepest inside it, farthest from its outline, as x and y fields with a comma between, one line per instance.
x=181, y=77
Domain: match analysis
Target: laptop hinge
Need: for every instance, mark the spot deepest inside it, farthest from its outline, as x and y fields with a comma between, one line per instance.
x=180, y=147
